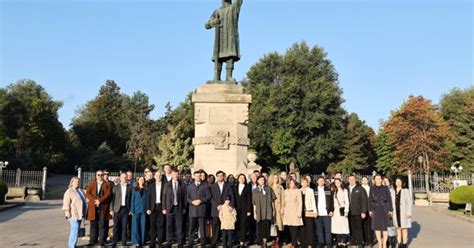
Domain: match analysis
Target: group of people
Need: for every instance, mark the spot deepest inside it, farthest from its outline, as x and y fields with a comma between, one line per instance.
x=270, y=210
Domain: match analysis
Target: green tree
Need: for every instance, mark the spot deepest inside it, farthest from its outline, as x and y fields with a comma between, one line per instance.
x=103, y=119
x=104, y=158
x=176, y=130
x=140, y=146
x=358, y=150
x=296, y=112
x=457, y=108
x=385, y=153
x=175, y=148
x=31, y=135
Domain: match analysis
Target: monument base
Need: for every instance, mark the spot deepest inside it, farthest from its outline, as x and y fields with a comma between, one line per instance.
x=221, y=134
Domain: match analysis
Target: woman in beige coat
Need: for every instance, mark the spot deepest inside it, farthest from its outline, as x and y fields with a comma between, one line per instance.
x=278, y=190
x=292, y=211
x=74, y=207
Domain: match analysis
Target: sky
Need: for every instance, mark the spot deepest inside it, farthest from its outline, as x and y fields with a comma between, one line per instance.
x=383, y=50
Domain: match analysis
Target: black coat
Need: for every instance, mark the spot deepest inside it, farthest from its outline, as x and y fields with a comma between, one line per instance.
x=197, y=193
x=243, y=202
x=168, y=196
x=218, y=198
x=151, y=203
x=329, y=198
x=358, y=201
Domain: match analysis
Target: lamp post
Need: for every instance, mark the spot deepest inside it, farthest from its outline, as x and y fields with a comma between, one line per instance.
x=3, y=165
x=456, y=167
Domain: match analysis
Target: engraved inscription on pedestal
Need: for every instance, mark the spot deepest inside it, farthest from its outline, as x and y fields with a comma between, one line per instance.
x=221, y=115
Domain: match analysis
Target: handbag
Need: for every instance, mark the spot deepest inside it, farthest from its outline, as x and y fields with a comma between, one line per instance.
x=273, y=230
x=341, y=209
x=391, y=229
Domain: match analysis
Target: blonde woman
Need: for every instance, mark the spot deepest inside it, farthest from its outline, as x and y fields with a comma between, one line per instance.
x=278, y=190
x=309, y=214
x=74, y=207
x=292, y=211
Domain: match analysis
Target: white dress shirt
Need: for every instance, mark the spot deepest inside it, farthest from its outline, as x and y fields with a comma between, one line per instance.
x=241, y=188
x=367, y=189
x=158, y=192
x=322, y=211
x=124, y=193
x=99, y=184
x=221, y=186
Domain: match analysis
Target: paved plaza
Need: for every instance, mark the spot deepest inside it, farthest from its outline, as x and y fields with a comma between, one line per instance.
x=42, y=224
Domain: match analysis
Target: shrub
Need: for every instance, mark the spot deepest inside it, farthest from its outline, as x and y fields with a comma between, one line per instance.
x=462, y=195
x=3, y=192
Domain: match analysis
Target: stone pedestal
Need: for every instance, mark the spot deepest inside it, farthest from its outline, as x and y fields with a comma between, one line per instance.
x=220, y=122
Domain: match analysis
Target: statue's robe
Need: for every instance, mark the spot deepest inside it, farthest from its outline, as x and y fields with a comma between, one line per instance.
x=226, y=45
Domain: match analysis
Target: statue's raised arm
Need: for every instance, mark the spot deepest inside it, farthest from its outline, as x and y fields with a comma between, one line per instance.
x=226, y=46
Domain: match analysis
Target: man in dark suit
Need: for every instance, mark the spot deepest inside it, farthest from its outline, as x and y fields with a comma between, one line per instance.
x=120, y=208
x=167, y=173
x=358, y=203
x=220, y=192
x=197, y=195
x=174, y=207
x=325, y=206
x=154, y=210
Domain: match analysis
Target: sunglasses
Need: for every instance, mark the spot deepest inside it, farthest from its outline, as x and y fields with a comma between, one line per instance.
x=99, y=175
x=106, y=174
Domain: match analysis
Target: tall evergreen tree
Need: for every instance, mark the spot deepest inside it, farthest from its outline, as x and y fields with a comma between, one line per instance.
x=358, y=150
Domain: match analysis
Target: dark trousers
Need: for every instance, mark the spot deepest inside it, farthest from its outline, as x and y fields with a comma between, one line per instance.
x=98, y=231
x=242, y=220
x=193, y=221
x=323, y=230
x=216, y=229
x=227, y=237
x=356, y=227
x=342, y=238
x=157, y=229
x=120, y=225
x=294, y=235
x=263, y=228
x=174, y=225
x=368, y=233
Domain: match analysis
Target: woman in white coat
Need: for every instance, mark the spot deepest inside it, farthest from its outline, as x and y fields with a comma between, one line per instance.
x=402, y=203
x=309, y=214
x=340, y=221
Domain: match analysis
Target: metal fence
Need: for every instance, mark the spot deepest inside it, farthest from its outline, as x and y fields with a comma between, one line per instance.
x=88, y=176
x=25, y=178
x=438, y=183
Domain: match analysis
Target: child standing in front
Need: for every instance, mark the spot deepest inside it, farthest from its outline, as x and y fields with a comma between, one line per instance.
x=228, y=217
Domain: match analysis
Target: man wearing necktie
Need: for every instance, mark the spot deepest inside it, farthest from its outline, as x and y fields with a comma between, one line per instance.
x=220, y=191
x=174, y=208
x=197, y=195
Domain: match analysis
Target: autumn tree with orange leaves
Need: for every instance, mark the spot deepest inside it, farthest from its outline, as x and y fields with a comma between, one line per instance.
x=418, y=129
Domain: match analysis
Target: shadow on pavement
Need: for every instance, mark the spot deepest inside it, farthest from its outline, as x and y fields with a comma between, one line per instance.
x=413, y=231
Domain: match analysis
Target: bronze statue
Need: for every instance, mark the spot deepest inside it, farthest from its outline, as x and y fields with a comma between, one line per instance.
x=226, y=46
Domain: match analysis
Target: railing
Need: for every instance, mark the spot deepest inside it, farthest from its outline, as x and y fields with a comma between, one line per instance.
x=25, y=178
x=88, y=176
